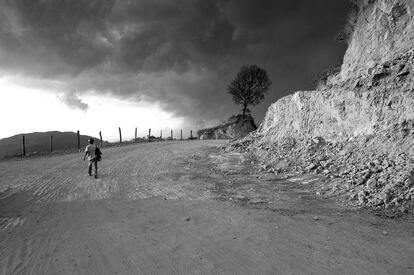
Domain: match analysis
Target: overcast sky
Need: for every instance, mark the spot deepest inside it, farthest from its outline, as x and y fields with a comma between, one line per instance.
x=168, y=56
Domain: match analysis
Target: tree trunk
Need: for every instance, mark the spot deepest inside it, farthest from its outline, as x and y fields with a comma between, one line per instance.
x=244, y=110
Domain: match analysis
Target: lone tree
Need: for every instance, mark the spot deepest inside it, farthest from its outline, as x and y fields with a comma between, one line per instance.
x=249, y=86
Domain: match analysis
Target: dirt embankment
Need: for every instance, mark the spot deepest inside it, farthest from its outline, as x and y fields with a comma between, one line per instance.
x=235, y=127
x=184, y=208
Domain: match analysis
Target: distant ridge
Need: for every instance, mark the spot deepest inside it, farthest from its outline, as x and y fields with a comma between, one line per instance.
x=39, y=142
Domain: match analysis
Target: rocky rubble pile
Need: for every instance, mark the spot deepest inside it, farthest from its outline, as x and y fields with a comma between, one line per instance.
x=357, y=169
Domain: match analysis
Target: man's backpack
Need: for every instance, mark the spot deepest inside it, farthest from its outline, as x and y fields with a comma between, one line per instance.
x=98, y=154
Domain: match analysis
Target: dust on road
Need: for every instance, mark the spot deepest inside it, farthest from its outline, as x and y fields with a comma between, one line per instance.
x=183, y=208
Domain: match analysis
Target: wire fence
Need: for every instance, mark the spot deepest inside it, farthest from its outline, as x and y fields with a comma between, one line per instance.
x=137, y=136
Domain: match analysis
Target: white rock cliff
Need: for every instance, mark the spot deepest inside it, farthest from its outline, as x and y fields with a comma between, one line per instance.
x=357, y=128
x=373, y=92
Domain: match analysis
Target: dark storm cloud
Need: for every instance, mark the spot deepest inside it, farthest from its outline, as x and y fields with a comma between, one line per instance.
x=179, y=54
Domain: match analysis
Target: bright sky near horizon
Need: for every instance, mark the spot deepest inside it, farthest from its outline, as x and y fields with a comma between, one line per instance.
x=25, y=110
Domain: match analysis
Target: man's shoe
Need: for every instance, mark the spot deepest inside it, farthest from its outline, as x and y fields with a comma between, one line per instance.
x=96, y=176
x=89, y=174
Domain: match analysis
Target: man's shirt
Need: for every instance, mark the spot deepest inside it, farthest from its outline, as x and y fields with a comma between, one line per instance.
x=90, y=149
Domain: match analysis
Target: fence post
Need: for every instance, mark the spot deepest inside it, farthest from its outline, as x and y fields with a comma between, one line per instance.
x=171, y=134
x=100, y=137
x=191, y=134
x=78, y=140
x=136, y=134
x=23, y=147
x=161, y=135
x=181, y=134
x=149, y=134
x=51, y=144
x=120, y=135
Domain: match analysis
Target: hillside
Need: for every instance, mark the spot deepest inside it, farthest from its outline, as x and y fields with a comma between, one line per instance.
x=357, y=129
x=235, y=127
x=39, y=142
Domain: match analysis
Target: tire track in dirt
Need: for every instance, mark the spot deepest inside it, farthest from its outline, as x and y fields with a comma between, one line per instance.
x=151, y=212
x=131, y=172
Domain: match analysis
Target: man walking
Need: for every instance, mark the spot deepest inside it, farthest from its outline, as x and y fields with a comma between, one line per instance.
x=90, y=152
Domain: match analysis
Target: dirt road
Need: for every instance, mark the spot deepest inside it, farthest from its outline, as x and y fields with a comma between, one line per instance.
x=182, y=208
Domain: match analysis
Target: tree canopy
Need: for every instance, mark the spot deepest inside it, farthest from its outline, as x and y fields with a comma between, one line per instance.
x=249, y=86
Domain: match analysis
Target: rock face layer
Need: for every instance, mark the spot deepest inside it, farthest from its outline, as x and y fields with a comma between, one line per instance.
x=373, y=91
x=383, y=30
x=365, y=106
x=358, y=127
